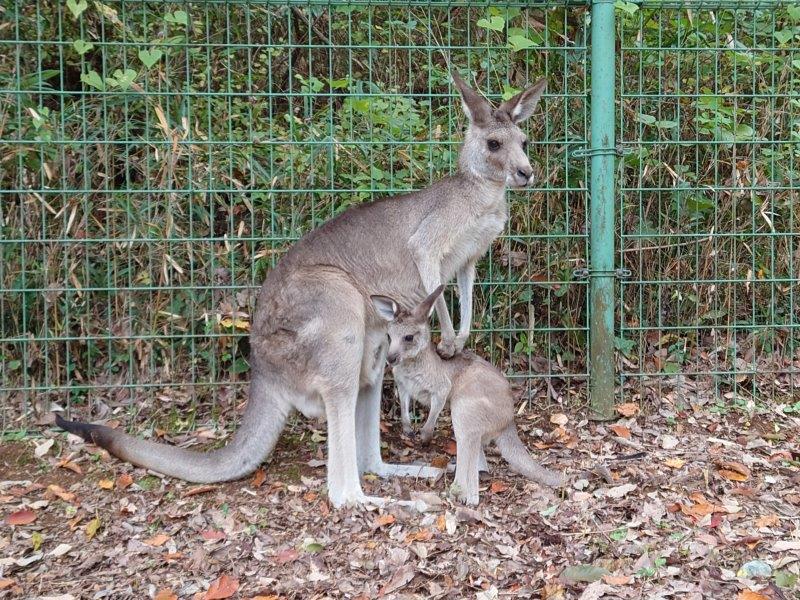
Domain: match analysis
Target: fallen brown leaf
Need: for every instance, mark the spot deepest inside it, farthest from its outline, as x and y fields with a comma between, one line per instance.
x=440, y=462
x=91, y=528
x=751, y=595
x=733, y=471
x=767, y=521
x=221, y=588
x=105, y=484
x=553, y=591
x=165, y=594
x=617, y=579
x=621, y=431
x=385, y=519
x=157, y=540
x=450, y=447
x=287, y=556
x=421, y=535
x=628, y=409
x=124, y=481
x=674, y=463
x=58, y=491
x=441, y=523
x=68, y=464
x=259, y=477
x=200, y=489
x=22, y=517
x=6, y=583
x=559, y=419
x=498, y=487
x=212, y=534
x=310, y=496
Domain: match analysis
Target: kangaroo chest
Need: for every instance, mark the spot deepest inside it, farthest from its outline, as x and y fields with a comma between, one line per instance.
x=476, y=237
x=421, y=384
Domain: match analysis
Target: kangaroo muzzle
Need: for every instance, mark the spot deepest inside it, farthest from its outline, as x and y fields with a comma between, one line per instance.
x=524, y=176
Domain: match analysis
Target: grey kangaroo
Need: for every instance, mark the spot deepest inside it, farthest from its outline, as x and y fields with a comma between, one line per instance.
x=481, y=402
x=317, y=344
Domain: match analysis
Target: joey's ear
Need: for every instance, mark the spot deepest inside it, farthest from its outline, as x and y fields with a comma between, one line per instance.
x=385, y=306
x=425, y=308
x=476, y=107
x=521, y=106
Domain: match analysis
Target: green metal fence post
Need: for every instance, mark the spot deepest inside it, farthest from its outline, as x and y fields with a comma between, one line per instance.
x=601, y=236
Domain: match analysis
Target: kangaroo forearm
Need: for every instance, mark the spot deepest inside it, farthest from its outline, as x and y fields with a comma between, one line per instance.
x=466, y=280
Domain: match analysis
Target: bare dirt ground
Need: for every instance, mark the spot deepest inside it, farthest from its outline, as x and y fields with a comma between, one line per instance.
x=680, y=503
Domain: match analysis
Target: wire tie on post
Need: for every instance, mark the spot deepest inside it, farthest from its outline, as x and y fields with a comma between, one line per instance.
x=584, y=273
x=619, y=150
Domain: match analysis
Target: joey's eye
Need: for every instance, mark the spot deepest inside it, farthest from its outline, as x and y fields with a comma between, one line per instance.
x=408, y=338
x=493, y=145
x=525, y=145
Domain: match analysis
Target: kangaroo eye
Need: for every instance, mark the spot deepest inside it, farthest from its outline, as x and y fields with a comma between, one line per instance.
x=408, y=338
x=493, y=145
x=525, y=145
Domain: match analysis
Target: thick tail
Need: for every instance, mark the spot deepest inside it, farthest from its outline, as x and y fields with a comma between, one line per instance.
x=519, y=459
x=261, y=426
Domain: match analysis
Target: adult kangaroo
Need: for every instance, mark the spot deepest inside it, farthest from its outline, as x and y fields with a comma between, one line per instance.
x=317, y=343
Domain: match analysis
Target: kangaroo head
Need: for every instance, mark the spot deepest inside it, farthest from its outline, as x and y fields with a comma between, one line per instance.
x=409, y=331
x=494, y=146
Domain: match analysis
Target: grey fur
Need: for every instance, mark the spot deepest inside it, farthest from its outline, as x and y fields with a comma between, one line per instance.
x=481, y=402
x=317, y=343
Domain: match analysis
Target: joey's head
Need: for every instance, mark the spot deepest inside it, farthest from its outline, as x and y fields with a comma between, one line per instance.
x=495, y=148
x=409, y=331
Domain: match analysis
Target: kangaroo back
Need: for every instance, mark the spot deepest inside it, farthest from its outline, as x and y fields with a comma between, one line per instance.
x=519, y=459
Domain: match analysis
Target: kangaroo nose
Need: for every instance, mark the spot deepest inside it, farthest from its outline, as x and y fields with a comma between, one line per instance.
x=391, y=359
x=524, y=174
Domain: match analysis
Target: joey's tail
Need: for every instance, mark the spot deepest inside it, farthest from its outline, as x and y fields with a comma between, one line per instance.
x=519, y=459
x=260, y=428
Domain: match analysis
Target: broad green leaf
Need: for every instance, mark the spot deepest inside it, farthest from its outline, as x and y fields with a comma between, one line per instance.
x=179, y=16
x=312, y=545
x=82, y=47
x=784, y=35
x=794, y=11
x=339, y=84
x=93, y=79
x=628, y=7
x=744, y=133
x=665, y=124
x=76, y=7
x=122, y=79
x=646, y=119
x=150, y=57
x=509, y=92
x=494, y=23
x=519, y=42
x=785, y=579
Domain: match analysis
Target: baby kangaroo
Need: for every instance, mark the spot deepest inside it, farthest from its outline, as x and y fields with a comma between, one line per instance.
x=481, y=403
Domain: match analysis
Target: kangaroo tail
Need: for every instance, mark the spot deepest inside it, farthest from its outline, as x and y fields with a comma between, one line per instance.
x=260, y=428
x=519, y=459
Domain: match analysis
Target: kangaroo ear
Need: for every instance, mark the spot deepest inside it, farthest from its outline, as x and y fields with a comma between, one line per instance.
x=425, y=308
x=385, y=306
x=476, y=107
x=521, y=106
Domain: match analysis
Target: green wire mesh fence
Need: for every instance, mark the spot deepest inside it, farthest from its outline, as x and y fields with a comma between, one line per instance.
x=157, y=158
x=709, y=116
